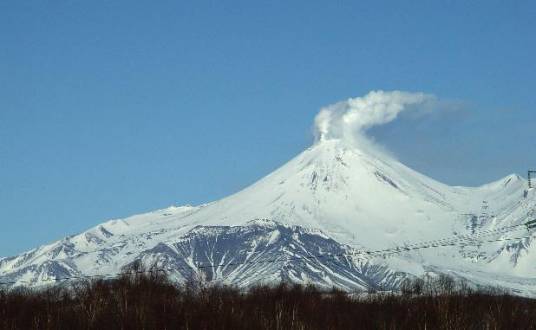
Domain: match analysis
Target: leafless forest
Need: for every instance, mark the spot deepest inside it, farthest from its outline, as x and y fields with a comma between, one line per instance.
x=152, y=302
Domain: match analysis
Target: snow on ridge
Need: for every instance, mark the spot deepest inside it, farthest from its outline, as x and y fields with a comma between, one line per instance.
x=332, y=194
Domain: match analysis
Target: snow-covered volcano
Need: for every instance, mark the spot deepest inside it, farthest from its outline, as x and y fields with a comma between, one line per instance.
x=339, y=199
x=358, y=197
x=332, y=198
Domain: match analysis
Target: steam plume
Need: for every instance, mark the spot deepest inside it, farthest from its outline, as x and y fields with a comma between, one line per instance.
x=348, y=120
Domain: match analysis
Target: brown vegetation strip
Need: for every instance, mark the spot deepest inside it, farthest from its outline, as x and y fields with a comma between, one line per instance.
x=150, y=302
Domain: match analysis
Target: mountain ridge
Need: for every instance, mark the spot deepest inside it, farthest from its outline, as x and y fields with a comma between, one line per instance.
x=360, y=198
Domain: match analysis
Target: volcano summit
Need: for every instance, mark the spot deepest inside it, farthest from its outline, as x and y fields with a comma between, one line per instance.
x=315, y=219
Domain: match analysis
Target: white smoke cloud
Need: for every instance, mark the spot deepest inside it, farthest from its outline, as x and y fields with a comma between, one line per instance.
x=348, y=120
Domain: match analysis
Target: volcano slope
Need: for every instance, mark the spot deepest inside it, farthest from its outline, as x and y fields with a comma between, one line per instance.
x=315, y=220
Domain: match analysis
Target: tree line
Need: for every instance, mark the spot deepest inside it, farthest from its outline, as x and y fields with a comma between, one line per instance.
x=151, y=301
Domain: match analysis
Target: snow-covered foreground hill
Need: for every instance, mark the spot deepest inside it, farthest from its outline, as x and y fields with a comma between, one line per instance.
x=321, y=212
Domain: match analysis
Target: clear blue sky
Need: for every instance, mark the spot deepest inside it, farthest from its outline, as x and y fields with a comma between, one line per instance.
x=111, y=108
